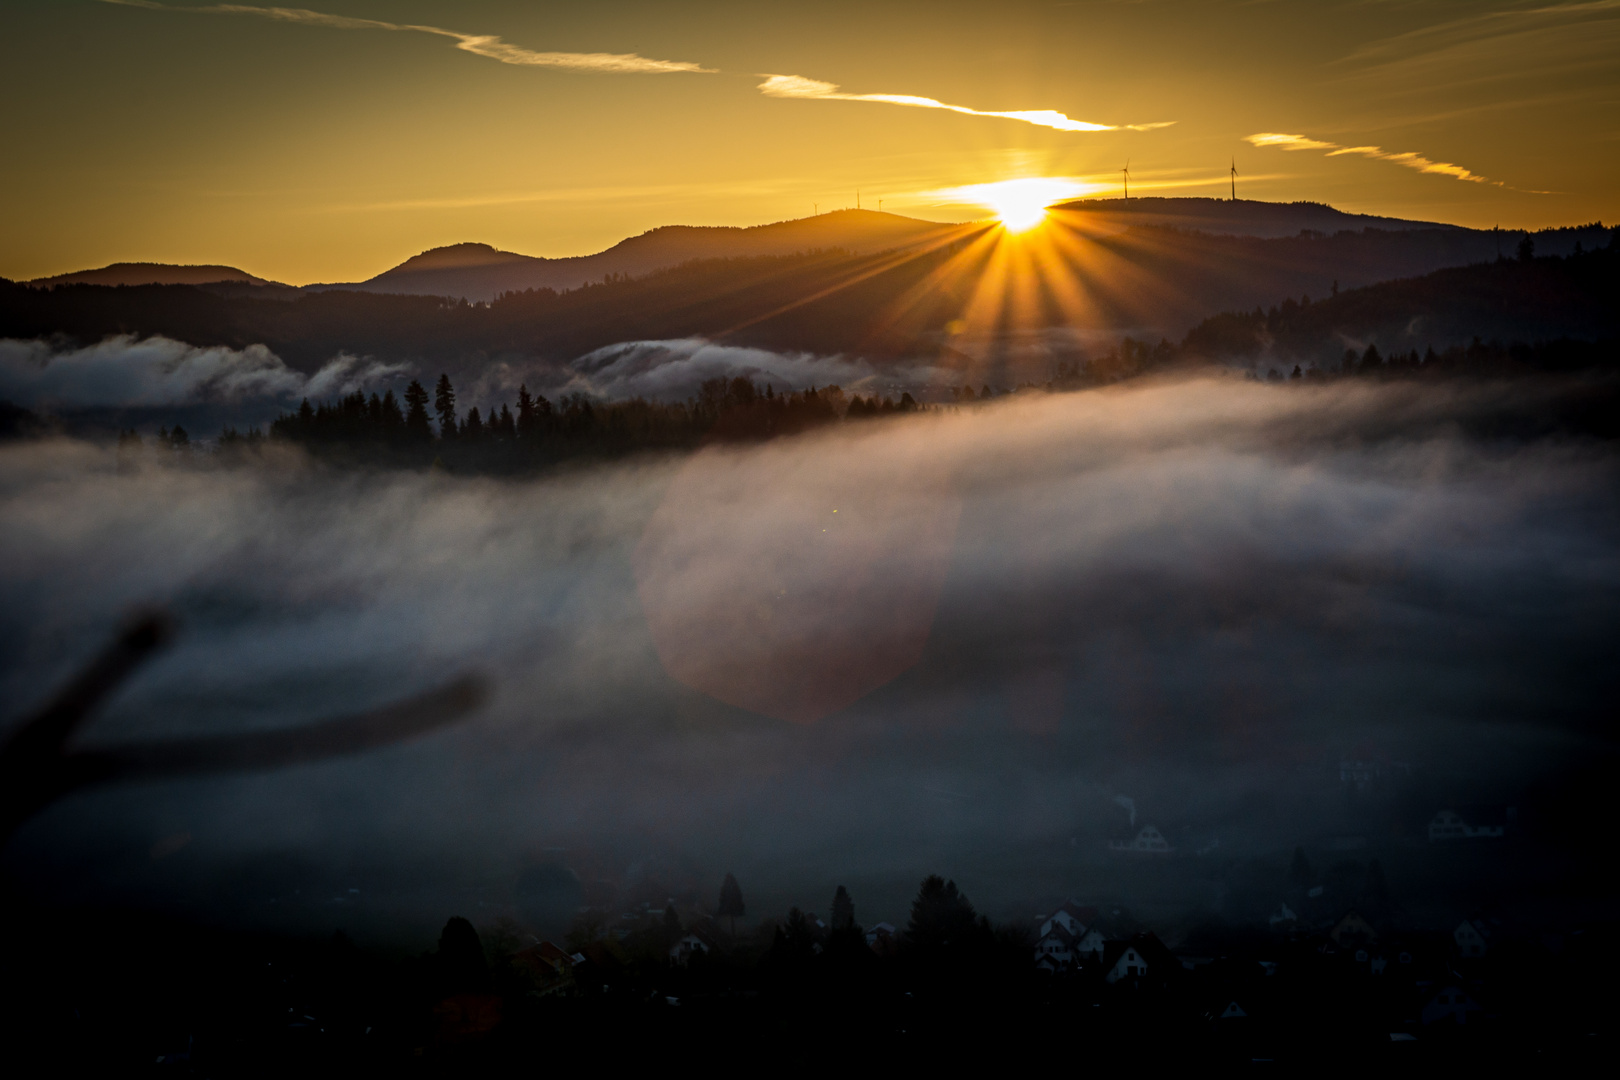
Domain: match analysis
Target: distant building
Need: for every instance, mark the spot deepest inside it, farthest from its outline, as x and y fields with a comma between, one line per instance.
x=1353, y=930
x=1091, y=945
x=1451, y=1004
x=1471, y=937
x=693, y=944
x=1284, y=919
x=883, y=939
x=1149, y=841
x=1452, y=825
x=1122, y=961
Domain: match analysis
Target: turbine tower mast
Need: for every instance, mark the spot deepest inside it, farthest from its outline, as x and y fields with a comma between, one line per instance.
x=1127, y=171
x=1234, y=179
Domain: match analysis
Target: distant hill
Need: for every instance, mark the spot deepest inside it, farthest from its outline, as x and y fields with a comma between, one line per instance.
x=142, y=273
x=1245, y=217
x=1507, y=300
x=480, y=272
x=1092, y=284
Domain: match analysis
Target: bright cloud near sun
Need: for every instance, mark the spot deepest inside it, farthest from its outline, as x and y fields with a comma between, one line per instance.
x=1019, y=204
x=797, y=86
x=487, y=45
x=1409, y=159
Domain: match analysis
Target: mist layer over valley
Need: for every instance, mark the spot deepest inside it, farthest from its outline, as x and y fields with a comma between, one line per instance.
x=958, y=642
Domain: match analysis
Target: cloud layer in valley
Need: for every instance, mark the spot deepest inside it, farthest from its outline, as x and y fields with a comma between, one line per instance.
x=674, y=370
x=128, y=373
x=1199, y=595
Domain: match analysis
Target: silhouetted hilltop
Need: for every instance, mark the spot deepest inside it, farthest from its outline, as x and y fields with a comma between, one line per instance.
x=1245, y=217
x=1524, y=299
x=145, y=273
x=1150, y=282
x=480, y=272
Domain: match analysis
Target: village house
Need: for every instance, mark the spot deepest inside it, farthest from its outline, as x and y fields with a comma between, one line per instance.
x=1121, y=960
x=1472, y=938
x=694, y=943
x=1451, y=1003
x=1451, y=825
x=1090, y=945
x=1148, y=841
x=1353, y=930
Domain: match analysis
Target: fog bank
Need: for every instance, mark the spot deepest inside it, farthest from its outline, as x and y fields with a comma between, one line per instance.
x=1198, y=595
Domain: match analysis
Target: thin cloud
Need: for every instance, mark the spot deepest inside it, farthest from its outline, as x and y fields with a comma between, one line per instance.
x=797, y=86
x=1410, y=159
x=487, y=45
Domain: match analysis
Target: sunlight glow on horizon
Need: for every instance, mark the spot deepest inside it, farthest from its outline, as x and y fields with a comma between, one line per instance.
x=1020, y=204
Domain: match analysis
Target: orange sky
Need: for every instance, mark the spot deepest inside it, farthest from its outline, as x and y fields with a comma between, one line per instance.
x=331, y=143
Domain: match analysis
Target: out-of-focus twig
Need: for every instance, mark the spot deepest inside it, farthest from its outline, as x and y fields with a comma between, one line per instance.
x=36, y=767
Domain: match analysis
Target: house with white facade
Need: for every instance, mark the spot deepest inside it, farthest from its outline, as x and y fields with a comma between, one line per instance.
x=1123, y=961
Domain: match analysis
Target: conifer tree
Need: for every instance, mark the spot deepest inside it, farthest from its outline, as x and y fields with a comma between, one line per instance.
x=843, y=910
x=416, y=417
x=444, y=404
x=1300, y=872
x=731, y=902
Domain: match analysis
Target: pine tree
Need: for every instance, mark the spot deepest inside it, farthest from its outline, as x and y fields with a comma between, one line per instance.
x=461, y=957
x=731, y=902
x=416, y=417
x=1300, y=873
x=525, y=414
x=941, y=915
x=392, y=418
x=444, y=404
x=843, y=910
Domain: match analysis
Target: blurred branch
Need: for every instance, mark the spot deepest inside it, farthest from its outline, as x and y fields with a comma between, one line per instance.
x=36, y=768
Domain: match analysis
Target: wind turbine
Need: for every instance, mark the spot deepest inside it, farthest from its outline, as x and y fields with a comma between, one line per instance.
x=1127, y=171
x=1234, y=179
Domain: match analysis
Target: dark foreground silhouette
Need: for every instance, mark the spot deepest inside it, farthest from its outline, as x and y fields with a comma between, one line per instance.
x=950, y=990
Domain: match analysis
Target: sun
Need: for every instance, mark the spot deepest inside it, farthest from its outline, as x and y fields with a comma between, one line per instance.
x=1020, y=205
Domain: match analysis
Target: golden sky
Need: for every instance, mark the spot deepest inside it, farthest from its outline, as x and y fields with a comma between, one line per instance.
x=328, y=143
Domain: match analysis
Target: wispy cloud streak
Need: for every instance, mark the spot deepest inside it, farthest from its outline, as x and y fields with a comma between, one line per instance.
x=1410, y=159
x=487, y=45
x=797, y=86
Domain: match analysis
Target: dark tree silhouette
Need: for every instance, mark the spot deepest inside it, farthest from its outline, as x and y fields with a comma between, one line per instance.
x=461, y=957
x=731, y=902
x=843, y=910
x=941, y=916
x=1300, y=873
x=416, y=417
x=444, y=404
x=672, y=926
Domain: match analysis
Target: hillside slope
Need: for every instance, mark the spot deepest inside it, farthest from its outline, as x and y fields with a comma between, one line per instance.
x=145, y=273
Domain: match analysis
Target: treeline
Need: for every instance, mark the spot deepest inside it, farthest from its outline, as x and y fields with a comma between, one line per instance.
x=878, y=306
x=533, y=430
x=1563, y=301
x=948, y=991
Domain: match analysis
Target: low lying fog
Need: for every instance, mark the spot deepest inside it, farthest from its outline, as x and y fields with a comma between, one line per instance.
x=1198, y=595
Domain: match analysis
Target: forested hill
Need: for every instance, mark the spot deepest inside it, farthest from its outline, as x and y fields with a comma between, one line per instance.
x=1523, y=299
x=886, y=305
x=480, y=272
